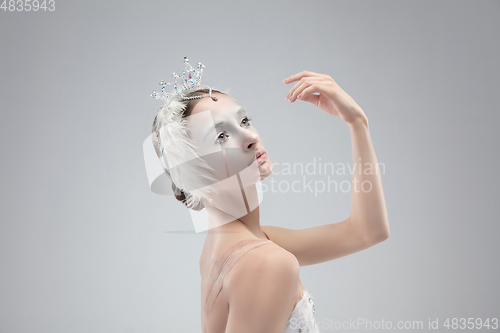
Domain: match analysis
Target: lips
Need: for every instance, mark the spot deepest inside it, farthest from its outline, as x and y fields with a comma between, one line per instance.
x=259, y=153
x=261, y=157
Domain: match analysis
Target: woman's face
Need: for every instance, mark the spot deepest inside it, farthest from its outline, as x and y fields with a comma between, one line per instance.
x=224, y=136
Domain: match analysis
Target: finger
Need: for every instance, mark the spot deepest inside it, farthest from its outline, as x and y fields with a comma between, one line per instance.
x=307, y=95
x=300, y=75
x=314, y=87
x=293, y=92
x=301, y=85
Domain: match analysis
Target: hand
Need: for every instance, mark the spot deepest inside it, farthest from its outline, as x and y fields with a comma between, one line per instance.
x=331, y=99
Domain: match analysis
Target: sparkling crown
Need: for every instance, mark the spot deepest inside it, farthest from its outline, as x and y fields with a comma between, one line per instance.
x=190, y=78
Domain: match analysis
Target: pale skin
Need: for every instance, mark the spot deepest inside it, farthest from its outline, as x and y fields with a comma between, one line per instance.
x=261, y=290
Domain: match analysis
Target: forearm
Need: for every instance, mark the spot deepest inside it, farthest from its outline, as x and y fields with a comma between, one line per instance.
x=368, y=210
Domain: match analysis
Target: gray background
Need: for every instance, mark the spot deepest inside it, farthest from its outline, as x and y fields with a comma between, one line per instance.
x=85, y=246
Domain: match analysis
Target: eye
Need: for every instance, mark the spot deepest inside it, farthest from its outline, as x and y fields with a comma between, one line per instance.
x=247, y=120
x=222, y=137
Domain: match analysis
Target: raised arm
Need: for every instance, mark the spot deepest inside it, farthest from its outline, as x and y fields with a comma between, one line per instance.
x=368, y=209
x=367, y=224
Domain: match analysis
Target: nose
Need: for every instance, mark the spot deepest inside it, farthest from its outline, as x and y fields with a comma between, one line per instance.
x=251, y=140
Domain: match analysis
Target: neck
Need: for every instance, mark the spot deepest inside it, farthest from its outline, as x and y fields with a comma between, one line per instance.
x=235, y=213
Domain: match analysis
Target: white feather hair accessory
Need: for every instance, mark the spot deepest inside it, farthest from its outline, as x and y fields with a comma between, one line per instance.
x=170, y=144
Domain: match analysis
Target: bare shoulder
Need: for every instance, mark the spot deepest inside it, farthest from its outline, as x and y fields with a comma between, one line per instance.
x=268, y=258
x=262, y=290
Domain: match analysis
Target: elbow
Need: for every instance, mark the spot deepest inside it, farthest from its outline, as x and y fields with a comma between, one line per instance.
x=379, y=237
x=385, y=235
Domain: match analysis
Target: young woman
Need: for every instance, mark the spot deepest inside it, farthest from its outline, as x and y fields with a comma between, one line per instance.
x=250, y=273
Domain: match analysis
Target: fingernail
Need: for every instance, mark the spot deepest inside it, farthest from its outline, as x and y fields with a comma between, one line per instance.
x=285, y=80
x=299, y=96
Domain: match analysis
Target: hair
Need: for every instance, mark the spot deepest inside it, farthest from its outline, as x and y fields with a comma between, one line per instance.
x=181, y=195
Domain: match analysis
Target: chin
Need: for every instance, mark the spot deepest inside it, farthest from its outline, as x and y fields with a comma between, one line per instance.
x=265, y=169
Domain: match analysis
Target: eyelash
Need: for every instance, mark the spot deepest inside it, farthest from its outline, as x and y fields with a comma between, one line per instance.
x=247, y=118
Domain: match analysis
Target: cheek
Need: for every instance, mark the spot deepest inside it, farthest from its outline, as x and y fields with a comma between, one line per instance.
x=229, y=162
x=217, y=162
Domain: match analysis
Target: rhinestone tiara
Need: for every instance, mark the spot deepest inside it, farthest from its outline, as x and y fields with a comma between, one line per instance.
x=191, y=78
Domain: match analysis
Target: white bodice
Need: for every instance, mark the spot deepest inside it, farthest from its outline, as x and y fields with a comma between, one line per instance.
x=302, y=319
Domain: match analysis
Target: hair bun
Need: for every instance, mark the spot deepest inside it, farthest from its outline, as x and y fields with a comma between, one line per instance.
x=179, y=194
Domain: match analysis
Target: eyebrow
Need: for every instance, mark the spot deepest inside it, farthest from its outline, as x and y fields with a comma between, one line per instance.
x=218, y=123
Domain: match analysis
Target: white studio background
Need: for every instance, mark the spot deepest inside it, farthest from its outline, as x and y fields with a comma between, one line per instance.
x=85, y=246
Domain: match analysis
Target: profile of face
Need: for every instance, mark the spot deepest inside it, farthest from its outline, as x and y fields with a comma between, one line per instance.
x=223, y=135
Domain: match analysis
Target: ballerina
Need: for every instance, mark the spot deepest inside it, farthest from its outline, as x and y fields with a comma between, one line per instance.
x=215, y=157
